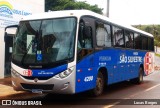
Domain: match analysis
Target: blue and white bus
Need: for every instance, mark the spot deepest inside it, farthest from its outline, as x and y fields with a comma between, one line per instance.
x=73, y=51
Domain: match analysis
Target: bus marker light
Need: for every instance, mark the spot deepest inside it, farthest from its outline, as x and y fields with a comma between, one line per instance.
x=89, y=69
x=79, y=80
x=79, y=70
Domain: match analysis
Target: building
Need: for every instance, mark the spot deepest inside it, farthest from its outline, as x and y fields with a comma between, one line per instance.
x=11, y=11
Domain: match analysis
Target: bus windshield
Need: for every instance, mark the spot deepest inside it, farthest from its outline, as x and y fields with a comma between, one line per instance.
x=44, y=41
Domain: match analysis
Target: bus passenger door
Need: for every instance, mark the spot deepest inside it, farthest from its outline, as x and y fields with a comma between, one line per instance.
x=8, y=38
x=85, y=58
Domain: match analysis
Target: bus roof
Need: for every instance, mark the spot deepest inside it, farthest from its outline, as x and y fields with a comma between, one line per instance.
x=78, y=14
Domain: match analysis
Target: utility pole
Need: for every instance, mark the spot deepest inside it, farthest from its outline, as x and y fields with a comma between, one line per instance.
x=107, y=8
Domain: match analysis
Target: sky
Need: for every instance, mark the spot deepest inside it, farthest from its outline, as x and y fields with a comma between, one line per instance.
x=133, y=12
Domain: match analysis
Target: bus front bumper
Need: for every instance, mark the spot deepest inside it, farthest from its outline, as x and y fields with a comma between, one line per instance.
x=52, y=85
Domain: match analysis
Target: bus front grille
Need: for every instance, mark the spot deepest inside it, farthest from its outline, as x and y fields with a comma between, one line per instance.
x=38, y=86
x=40, y=78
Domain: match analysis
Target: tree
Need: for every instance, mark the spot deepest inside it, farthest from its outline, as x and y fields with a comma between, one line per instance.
x=148, y=29
x=55, y=5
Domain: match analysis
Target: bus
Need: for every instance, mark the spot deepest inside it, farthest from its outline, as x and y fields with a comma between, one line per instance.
x=73, y=51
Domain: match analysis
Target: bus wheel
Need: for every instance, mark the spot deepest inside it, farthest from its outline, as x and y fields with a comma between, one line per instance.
x=139, y=79
x=140, y=75
x=98, y=90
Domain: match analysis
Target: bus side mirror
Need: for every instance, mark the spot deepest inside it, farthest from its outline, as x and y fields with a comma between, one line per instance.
x=87, y=31
x=10, y=30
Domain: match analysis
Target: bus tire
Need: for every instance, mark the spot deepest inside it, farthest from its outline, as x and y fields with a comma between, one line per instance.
x=139, y=79
x=98, y=90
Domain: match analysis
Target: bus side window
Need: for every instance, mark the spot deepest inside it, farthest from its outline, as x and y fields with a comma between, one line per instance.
x=137, y=41
x=150, y=44
x=128, y=39
x=144, y=43
x=118, y=40
x=103, y=35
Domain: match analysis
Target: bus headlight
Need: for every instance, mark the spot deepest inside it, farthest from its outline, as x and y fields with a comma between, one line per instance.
x=15, y=73
x=66, y=73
